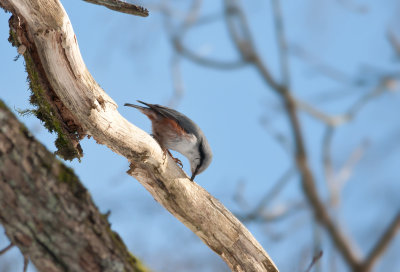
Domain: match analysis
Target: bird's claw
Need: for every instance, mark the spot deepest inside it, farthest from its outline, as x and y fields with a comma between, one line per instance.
x=178, y=161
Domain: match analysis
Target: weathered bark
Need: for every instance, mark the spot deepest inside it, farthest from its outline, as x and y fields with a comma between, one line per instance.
x=47, y=212
x=50, y=35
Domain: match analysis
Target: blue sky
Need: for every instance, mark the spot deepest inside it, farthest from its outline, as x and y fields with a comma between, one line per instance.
x=130, y=58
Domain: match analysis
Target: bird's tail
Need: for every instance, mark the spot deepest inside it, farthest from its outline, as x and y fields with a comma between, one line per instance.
x=134, y=106
x=144, y=103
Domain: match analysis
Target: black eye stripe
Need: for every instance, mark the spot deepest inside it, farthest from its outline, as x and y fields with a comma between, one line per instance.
x=202, y=155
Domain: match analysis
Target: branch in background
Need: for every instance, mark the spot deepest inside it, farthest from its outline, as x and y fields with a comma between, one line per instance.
x=205, y=61
x=323, y=68
x=61, y=62
x=121, y=6
x=177, y=82
x=269, y=197
x=281, y=41
x=47, y=213
x=394, y=42
x=241, y=37
x=337, y=179
x=352, y=6
x=177, y=35
x=7, y=248
x=274, y=214
x=308, y=182
x=279, y=137
x=309, y=187
x=382, y=244
x=314, y=260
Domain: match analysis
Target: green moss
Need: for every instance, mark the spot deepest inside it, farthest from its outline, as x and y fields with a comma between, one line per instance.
x=44, y=111
x=12, y=38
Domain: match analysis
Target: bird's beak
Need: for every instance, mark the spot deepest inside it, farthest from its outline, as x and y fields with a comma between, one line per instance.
x=194, y=173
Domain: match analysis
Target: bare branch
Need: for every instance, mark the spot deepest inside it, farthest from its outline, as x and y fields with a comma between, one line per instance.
x=323, y=68
x=279, y=137
x=97, y=113
x=394, y=42
x=26, y=262
x=177, y=36
x=121, y=6
x=281, y=40
x=278, y=213
x=242, y=39
x=314, y=112
x=7, y=248
x=382, y=243
x=310, y=191
x=177, y=80
x=212, y=63
x=314, y=260
x=273, y=193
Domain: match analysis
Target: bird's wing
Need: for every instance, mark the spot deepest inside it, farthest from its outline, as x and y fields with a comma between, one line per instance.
x=182, y=120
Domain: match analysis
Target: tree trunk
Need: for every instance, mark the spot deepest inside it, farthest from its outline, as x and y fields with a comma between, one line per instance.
x=47, y=212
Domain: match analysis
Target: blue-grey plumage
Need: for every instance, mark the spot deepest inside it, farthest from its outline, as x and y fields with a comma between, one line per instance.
x=173, y=130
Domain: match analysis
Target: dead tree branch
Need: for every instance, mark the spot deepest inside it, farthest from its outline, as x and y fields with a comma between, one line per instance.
x=51, y=35
x=121, y=6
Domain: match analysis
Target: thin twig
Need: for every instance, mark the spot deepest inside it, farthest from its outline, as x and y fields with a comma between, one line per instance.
x=394, y=42
x=177, y=35
x=321, y=67
x=309, y=187
x=336, y=120
x=121, y=6
x=177, y=82
x=314, y=260
x=354, y=6
x=327, y=119
x=241, y=36
x=281, y=40
x=275, y=214
x=4, y=250
x=327, y=156
x=26, y=262
x=336, y=181
x=382, y=243
x=202, y=60
x=279, y=137
x=274, y=192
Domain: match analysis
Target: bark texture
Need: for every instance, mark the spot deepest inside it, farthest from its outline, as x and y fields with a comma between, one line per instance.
x=47, y=212
x=50, y=37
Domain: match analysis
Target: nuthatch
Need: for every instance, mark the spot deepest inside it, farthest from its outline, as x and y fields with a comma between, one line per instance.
x=175, y=131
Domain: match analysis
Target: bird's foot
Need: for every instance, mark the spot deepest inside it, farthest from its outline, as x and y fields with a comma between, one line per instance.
x=177, y=161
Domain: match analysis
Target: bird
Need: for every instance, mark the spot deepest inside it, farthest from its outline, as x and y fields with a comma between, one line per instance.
x=175, y=131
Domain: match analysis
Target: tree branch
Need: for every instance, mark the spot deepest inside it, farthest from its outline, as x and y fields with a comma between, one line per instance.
x=52, y=34
x=310, y=191
x=382, y=243
x=121, y=6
